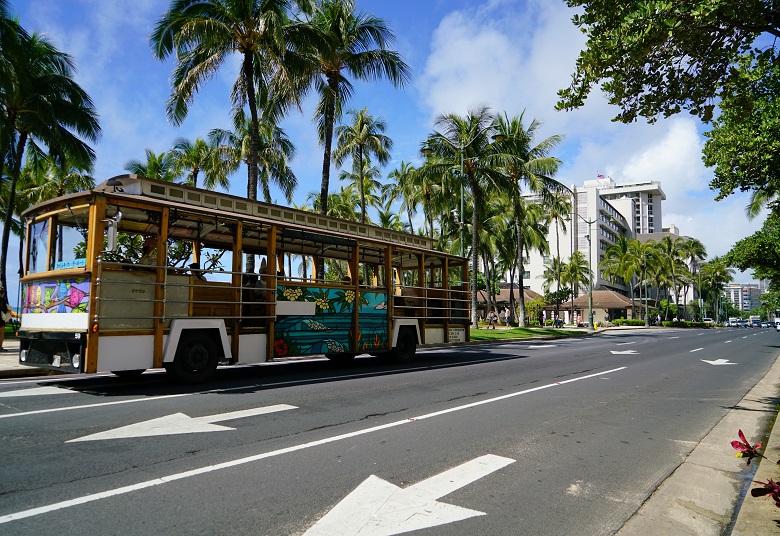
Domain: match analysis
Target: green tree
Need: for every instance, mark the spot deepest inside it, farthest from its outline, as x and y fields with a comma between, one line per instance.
x=191, y=158
x=656, y=57
x=362, y=138
x=529, y=167
x=203, y=35
x=760, y=251
x=402, y=187
x=157, y=166
x=576, y=274
x=620, y=262
x=274, y=152
x=40, y=106
x=744, y=143
x=366, y=181
x=349, y=44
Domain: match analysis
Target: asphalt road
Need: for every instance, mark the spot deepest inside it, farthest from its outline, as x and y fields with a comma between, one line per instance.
x=554, y=437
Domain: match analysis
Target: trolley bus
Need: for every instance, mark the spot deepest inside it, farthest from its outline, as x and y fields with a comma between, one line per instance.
x=138, y=274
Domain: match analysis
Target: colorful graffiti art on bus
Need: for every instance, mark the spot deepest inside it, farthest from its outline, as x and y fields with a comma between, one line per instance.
x=56, y=296
x=329, y=330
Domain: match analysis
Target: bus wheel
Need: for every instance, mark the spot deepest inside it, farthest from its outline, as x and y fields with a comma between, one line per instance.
x=341, y=358
x=406, y=346
x=128, y=373
x=195, y=361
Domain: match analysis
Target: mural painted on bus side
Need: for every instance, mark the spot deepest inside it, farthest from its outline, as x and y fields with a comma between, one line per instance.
x=56, y=296
x=329, y=330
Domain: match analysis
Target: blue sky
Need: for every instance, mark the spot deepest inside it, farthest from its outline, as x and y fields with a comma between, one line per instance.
x=511, y=55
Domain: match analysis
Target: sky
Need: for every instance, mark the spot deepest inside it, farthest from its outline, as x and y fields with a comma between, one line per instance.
x=511, y=55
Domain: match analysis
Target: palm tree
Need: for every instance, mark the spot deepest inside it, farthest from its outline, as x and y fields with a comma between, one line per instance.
x=619, y=262
x=558, y=205
x=715, y=275
x=366, y=182
x=531, y=166
x=363, y=138
x=576, y=274
x=203, y=34
x=467, y=140
x=403, y=188
x=40, y=104
x=672, y=266
x=190, y=159
x=349, y=44
x=693, y=252
x=275, y=150
x=157, y=166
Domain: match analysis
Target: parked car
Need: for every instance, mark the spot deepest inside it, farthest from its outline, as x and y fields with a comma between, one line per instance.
x=755, y=324
x=708, y=320
x=764, y=324
x=741, y=324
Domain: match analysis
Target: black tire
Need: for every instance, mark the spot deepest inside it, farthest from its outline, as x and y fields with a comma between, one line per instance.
x=128, y=373
x=341, y=358
x=405, y=346
x=196, y=360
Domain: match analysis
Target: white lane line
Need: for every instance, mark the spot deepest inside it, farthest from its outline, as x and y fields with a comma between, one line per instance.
x=696, y=350
x=726, y=342
x=625, y=343
x=265, y=455
x=36, y=391
x=257, y=385
x=675, y=337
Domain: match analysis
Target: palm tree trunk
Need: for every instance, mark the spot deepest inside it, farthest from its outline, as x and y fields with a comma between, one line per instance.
x=254, y=142
x=474, y=248
x=521, y=273
x=9, y=213
x=362, y=187
x=330, y=112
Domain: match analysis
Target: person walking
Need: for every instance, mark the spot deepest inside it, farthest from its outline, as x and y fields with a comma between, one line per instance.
x=507, y=316
x=6, y=314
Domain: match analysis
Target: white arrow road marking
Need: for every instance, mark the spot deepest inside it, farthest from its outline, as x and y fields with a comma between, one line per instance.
x=726, y=342
x=36, y=391
x=179, y=423
x=675, y=337
x=695, y=350
x=719, y=362
x=624, y=352
x=198, y=471
x=379, y=508
x=535, y=346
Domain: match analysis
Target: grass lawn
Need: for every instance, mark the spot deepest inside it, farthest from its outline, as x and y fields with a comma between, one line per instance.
x=483, y=334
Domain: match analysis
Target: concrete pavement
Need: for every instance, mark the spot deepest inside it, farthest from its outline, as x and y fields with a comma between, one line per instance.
x=705, y=495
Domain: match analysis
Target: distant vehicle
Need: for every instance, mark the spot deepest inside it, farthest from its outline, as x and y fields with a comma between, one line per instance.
x=741, y=324
x=708, y=320
x=764, y=324
x=778, y=326
x=755, y=323
x=732, y=322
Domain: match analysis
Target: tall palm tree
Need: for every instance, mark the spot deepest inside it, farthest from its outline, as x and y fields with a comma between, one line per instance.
x=673, y=267
x=41, y=105
x=558, y=204
x=529, y=168
x=274, y=152
x=402, y=187
x=715, y=275
x=576, y=274
x=467, y=139
x=350, y=44
x=362, y=138
x=619, y=262
x=693, y=252
x=203, y=33
x=366, y=181
x=191, y=158
x=158, y=166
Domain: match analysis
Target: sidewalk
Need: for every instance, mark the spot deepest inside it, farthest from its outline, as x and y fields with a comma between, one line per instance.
x=700, y=497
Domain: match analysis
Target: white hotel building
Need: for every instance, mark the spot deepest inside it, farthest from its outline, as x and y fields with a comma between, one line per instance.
x=633, y=208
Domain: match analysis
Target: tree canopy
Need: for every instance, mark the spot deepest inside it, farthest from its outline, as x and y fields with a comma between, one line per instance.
x=657, y=57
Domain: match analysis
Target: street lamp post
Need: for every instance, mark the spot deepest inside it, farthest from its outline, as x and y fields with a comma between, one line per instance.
x=590, y=269
x=644, y=277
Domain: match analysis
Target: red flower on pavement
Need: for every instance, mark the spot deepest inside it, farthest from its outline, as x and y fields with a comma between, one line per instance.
x=770, y=487
x=744, y=448
x=281, y=348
